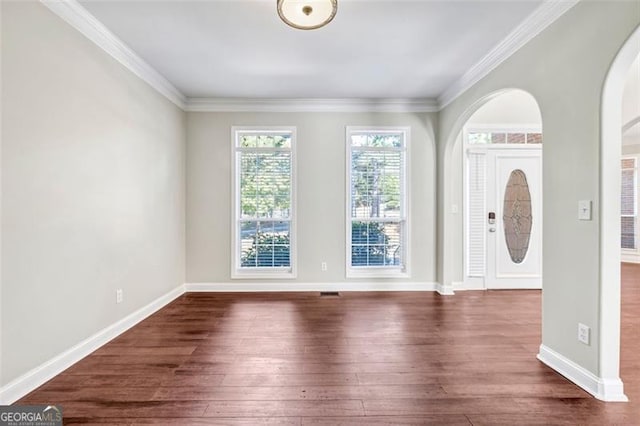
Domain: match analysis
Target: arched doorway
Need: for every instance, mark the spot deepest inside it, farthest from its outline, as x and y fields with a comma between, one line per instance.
x=502, y=200
x=490, y=139
x=610, y=222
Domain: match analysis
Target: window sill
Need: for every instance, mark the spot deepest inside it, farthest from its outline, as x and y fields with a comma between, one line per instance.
x=377, y=273
x=263, y=275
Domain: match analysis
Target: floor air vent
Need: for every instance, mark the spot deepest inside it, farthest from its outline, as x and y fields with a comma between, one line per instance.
x=329, y=294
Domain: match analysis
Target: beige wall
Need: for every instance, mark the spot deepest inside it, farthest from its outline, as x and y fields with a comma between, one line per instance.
x=93, y=182
x=321, y=157
x=631, y=149
x=564, y=68
x=92, y=187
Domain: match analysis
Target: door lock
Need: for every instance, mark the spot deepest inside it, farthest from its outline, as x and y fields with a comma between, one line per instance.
x=492, y=218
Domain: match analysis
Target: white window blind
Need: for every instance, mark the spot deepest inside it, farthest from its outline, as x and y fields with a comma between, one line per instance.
x=628, y=203
x=264, y=194
x=377, y=213
x=476, y=194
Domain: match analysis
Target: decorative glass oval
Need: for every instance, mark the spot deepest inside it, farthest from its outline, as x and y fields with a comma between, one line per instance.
x=517, y=218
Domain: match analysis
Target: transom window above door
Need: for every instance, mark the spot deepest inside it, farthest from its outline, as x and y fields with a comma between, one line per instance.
x=488, y=137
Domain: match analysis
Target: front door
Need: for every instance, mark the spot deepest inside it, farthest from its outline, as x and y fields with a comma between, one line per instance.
x=506, y=218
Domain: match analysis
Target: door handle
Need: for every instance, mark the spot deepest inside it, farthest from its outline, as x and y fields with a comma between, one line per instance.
x=492, y=229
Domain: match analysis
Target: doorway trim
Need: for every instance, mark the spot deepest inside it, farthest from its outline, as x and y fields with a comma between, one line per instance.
x=470, y=282
x=612, y=388
x=446, y=198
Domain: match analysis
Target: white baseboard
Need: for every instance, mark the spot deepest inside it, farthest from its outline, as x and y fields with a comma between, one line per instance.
x=603, y=389
x=247, y=287
x=445, y=289
x=470, y=284
x=630, y=257
x=31, y=380
x=479, y=284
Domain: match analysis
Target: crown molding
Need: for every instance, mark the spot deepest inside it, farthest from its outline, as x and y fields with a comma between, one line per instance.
x=538, y=21
x=310, y=105
x=78, y=17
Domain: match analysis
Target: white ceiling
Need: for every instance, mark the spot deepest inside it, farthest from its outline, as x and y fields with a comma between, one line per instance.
x=373, y=48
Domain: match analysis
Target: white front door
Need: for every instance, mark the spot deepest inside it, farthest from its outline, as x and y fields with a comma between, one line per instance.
x=504, y=217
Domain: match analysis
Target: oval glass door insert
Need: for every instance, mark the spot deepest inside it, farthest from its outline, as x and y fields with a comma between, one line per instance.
x=517, y=217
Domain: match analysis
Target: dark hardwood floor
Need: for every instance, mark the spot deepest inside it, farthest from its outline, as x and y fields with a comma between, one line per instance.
x=362, y=358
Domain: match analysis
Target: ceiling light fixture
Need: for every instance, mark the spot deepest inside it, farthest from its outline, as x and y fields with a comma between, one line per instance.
x=307, y=14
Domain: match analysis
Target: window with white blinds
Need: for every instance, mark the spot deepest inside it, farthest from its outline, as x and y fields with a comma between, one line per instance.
x=264, y=231
x=629, y=204
x=377, y=222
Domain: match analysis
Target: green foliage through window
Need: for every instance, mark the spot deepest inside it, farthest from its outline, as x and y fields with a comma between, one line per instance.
x=376, y=191
x=267, y=250
x=264, y=171
x=371, y=245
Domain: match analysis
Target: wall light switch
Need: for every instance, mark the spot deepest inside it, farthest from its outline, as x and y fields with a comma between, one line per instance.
x=584, y=210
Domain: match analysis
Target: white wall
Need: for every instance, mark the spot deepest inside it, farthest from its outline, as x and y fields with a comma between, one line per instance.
x=631, y=108
x=92, y=187
x=631, y=139
x=631, y=96
x=631, y=149
x=510, y=108
x=321, y=157
x=564, y=68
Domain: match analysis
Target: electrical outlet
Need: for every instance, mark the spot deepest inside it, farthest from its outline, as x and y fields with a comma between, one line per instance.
x=323, y=266
x=584, y=333
x=119, y=295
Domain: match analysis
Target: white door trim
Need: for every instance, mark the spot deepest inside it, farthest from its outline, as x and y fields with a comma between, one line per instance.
x=473, y=282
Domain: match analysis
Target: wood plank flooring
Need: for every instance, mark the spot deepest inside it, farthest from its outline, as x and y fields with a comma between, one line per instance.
x=360, y=359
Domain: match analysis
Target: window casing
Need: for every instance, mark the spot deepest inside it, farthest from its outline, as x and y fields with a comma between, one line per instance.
x=629, y=204
x=377, y=202
x=263, y=199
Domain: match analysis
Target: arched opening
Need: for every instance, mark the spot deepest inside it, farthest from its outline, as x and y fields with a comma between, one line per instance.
x=630, y=231
x=610, y=219
x=496, y=135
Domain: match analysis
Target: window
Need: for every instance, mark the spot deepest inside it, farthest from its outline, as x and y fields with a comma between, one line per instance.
x=377, y=224
x=264, y=226
x=628, y=203
x=487, y=137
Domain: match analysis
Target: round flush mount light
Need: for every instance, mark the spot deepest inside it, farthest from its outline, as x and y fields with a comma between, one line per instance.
x=307, y=14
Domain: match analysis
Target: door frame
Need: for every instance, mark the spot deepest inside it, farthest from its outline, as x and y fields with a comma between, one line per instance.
x=479, y=283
